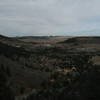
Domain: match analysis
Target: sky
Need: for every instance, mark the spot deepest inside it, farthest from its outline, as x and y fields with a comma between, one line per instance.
x=50, y=17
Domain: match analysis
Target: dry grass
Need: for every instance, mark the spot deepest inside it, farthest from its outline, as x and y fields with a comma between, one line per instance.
x=50, y=40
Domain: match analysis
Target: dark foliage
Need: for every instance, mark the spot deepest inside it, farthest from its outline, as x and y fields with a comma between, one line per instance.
x=84, y=86
x=5, y=90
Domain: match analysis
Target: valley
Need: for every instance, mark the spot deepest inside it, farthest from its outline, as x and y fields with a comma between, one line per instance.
x=35, y=66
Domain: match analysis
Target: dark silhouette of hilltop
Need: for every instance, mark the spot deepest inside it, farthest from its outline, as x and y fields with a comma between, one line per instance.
x=83, y=40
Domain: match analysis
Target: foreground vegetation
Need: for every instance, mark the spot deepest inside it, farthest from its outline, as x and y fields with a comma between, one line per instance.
x=81, y=83
x=48, y=72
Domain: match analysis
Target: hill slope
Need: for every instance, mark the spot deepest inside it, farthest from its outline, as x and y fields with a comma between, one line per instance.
x=83, y=40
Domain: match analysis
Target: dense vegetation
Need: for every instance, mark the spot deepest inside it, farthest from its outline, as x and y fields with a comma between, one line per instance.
x=6, y=92
x=82, y=83
x=58, y=72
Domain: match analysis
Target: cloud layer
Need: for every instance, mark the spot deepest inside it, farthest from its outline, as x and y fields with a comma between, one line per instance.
x=49, y=17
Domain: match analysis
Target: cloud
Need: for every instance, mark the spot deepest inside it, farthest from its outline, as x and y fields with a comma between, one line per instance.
x=49, y=17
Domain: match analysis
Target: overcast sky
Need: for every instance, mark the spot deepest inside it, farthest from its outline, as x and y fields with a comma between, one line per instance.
x=49, y=17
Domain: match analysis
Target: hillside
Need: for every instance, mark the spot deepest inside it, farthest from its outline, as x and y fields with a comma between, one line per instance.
x=83, y=40
x=33, y=69
x=14, y=58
